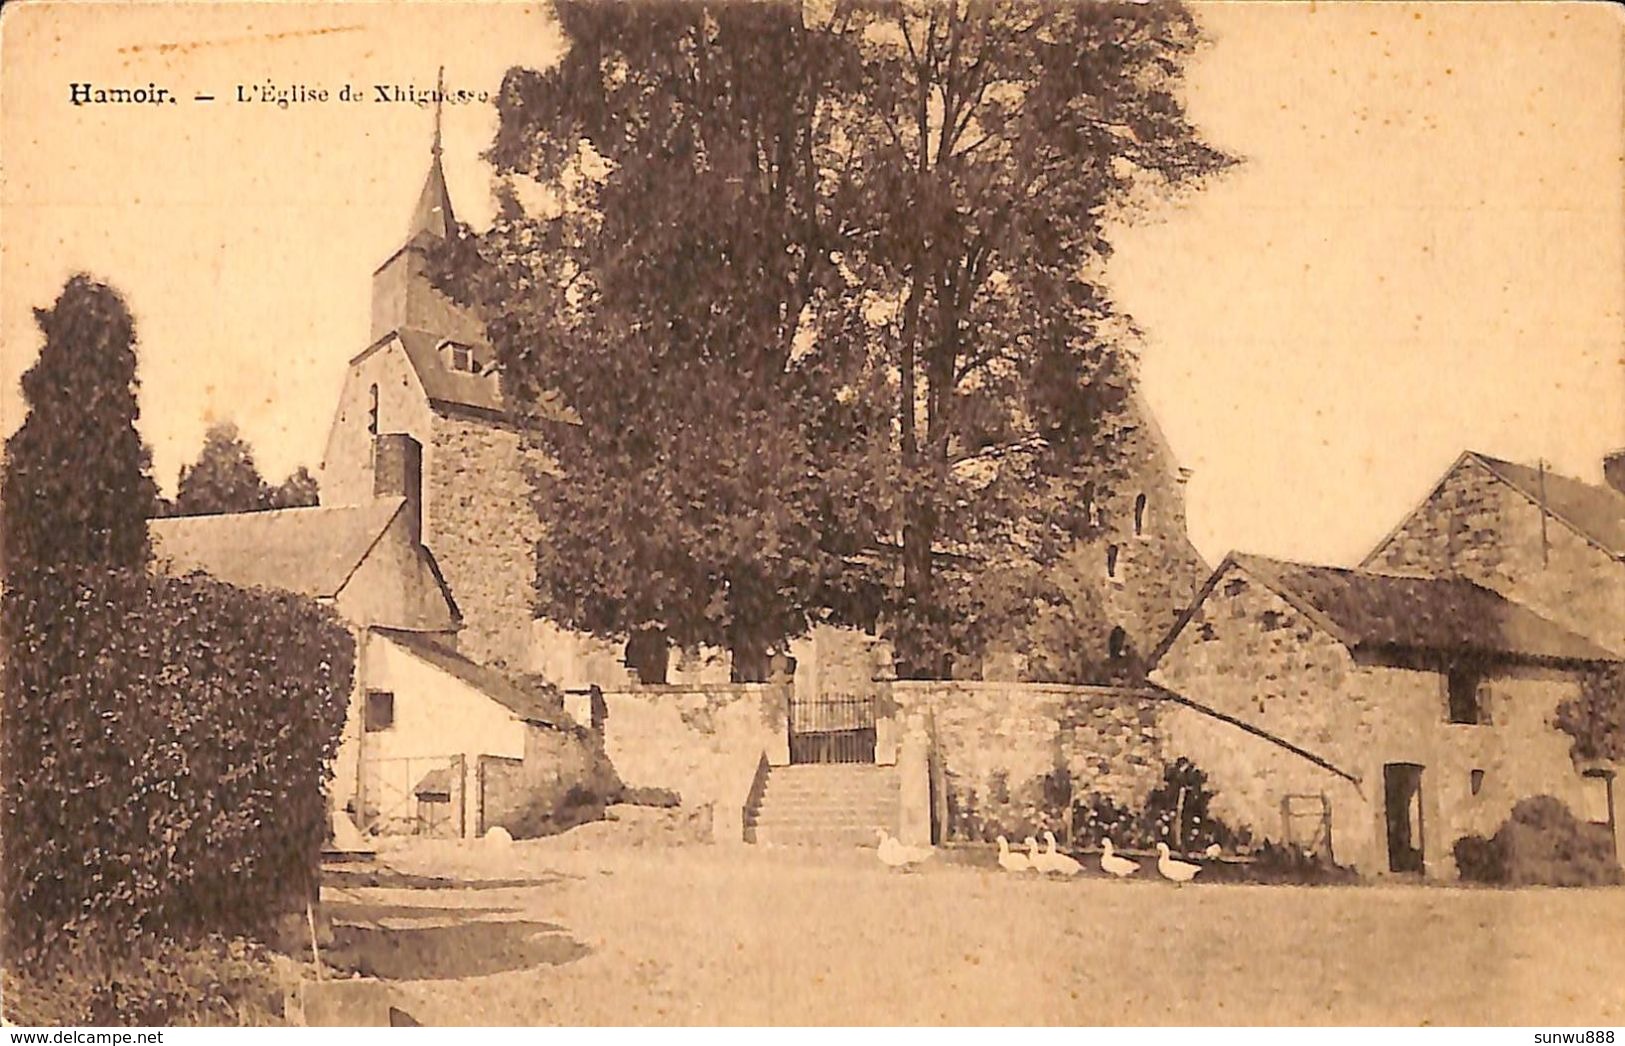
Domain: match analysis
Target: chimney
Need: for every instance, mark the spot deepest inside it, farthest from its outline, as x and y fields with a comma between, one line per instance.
x=397, y=472
x=1613, y=470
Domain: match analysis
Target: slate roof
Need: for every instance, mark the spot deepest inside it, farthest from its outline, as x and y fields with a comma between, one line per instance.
x=1594, y=510
x=522, y=701
x=449, y=389
x=433, y=213
x=1450, y=616
x=309, y=551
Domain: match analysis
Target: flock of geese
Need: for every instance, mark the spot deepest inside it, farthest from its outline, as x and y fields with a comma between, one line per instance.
x=894, y=854
x=1051, y=862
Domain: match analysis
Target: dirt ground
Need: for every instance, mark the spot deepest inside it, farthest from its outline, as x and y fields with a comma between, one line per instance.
x=551, y=932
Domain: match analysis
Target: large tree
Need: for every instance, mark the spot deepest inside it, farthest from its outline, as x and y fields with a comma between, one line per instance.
x=225, y=478
x=77, y=488
x=821, y=282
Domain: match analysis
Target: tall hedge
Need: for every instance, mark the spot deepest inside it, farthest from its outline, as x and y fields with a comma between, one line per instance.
x=166, y=745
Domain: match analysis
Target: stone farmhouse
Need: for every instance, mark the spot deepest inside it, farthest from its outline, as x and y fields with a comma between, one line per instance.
x=1375, y=717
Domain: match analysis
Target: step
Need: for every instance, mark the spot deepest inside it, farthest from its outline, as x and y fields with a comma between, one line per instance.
x=844, y=837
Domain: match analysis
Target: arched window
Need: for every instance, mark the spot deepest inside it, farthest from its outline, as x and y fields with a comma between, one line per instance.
x=1139, y=515
x=1111, y=560
x=1116, y=642
x=372, y=413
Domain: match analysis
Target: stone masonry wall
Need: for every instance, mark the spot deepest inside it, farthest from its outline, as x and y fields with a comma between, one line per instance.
x=1479, y=527
x=1011, y=755
x=1158, y=571
x=703, y=741
x=479, y=522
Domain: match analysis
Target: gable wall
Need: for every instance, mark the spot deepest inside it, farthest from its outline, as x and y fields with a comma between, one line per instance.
x=347, y=465
x=1479, y=527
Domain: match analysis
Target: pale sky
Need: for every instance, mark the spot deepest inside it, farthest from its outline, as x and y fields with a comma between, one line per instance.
x=1423, y=252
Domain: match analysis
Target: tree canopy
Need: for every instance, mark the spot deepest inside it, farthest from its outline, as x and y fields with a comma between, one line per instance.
x=225, y=478
x=823, y=284
x=77, y=487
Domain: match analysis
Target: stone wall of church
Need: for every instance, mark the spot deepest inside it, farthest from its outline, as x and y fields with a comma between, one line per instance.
x=346, y=477
x=1155, y=571
x=482, y=529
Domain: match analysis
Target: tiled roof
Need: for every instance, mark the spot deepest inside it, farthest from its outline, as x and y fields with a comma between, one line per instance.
x=1594, y=510
x=309, y=551
x=522, y=701
x=1450, y=616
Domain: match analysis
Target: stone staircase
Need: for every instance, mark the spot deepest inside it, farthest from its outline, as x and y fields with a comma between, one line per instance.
x=824, y=804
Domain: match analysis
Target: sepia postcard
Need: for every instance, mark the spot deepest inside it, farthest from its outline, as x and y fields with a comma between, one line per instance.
x=867, y=513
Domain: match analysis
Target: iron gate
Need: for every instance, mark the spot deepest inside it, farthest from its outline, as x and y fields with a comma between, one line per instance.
x=832, y=728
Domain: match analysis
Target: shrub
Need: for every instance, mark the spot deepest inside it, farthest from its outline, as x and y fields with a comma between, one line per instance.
x=1285, y=863
x=1479, y=860
x=1542, y=843
x=165, y=744
x=161, y=983
x=569, y=781
x=1177, y=811
x=1099, y=817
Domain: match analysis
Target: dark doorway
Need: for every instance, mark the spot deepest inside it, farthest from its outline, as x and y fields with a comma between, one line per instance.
x=1402, y=790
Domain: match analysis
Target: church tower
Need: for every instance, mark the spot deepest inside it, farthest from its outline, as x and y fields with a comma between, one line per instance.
x=403, y=295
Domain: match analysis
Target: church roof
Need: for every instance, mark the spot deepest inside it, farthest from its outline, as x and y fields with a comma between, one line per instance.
x=449, y=389
x=308, y=551
x=433, y=214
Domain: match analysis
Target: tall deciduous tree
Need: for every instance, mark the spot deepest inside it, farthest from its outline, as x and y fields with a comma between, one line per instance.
x=77, y=488
x=822, y=284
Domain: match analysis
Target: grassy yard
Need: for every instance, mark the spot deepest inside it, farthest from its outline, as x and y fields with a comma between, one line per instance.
x=702, y=935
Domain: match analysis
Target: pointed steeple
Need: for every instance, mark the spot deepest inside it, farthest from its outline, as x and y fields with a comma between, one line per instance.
x=433, y=214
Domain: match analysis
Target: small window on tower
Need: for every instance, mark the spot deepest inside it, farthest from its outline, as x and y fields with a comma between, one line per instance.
x=1139, y=515
x=372, y=413
x=462, y=358
x=1111, y=560
x=1116, y=642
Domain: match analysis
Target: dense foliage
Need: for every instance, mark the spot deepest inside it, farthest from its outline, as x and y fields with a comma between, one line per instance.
x=1177, y=812
x=1541, y=843
x=821, y=283
x=225, y=478
x=77, y=490
x=161, y=983
x=164, y=750
x=1595, y=719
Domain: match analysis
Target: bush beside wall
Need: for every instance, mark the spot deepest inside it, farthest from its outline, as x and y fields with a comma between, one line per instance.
x=165, y=747
x=1541, y=844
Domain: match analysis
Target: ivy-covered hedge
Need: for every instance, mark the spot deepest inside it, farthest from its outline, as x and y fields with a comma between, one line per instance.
x=166, y=744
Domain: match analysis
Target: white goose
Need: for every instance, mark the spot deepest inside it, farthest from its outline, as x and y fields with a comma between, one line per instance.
x=1034, y=856
x=1012, y=862
x=1055, y=861
x=1112, y=864
x=1172, y=870
x=895, y=855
